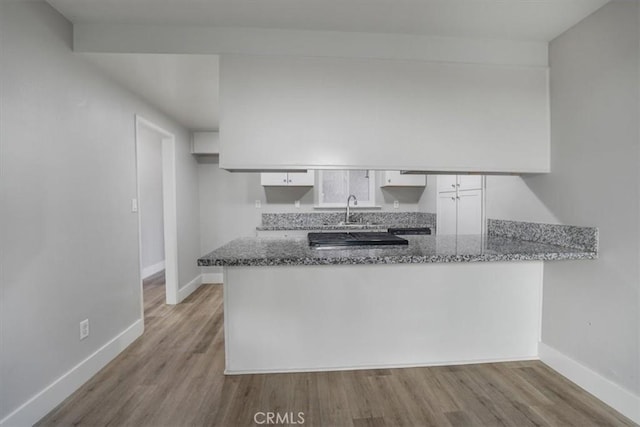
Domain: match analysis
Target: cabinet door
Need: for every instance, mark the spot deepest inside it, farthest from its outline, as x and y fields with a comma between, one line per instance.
x=447, y=213
x=302, y=178
x=397, y=179
x=469, y=182
x=447, y=183
x=273, y=178
x=470, y=212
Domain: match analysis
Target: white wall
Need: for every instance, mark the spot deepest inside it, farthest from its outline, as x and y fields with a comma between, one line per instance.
x=69, y=240
x=512, y=198
x=591, y=309
x=429, y=200
x=150, y=183
x=227, y=203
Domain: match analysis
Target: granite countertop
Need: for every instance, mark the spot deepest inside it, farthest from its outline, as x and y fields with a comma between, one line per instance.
x=256, y=251
x=317, y=227
x=319, y=221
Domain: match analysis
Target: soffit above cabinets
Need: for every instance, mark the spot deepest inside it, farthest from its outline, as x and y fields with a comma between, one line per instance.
x=540, y=20
x=319, y=113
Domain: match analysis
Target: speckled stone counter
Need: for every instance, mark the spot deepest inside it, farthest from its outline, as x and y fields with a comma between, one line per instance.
x=330, y=220
x=279, y=291
x=253, y=251
x=327, y=227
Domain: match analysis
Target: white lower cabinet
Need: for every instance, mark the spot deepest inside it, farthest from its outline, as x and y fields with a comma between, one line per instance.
x=459, y=211
x=447, y=217
x=469, y=219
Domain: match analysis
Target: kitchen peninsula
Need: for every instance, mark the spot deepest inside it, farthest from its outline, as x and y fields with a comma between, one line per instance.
x=437, y=300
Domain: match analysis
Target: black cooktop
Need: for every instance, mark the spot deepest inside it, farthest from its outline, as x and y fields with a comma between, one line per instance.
x=409, y=230
x=354, y=239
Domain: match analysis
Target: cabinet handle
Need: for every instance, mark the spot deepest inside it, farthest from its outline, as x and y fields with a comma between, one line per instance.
x=284, y=180
x=453, y=185
x=389, y=181
x=458, y=197
x=453, y=198
x=289, y=181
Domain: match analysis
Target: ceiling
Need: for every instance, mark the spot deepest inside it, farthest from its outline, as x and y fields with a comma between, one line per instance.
x=539, y=20
x=186, y=86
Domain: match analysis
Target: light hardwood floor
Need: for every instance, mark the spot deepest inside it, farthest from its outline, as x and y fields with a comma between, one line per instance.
x=173, y=376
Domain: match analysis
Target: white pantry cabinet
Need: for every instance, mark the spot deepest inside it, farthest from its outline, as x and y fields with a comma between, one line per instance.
x=447, y=216
x=397, y=179
x=469, y=218
x=460, y=204
x=290, y=179
x=459, y=182
x=469, y=182
x=205, y=143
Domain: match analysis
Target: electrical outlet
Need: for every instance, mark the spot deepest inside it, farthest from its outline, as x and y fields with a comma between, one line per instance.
x=134, y=205
x=396, y=204
x=258, y=204
x=297, y=204
x=84, y=329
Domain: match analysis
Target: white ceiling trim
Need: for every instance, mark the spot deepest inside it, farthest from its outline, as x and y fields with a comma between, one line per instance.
x=530, y=20
x=122, y=38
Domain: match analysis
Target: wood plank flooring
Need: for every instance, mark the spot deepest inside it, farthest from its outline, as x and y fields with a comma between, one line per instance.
x=173, y=376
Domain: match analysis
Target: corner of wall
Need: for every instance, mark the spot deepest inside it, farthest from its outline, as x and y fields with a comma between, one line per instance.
x=619, y=398
x=51, y=396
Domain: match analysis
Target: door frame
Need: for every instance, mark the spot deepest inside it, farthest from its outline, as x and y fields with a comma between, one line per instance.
x=169, y=208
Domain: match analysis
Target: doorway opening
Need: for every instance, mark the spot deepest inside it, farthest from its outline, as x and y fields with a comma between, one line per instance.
x=157, y=219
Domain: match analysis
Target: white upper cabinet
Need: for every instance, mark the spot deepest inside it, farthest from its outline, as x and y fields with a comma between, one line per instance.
x=280, y=112
x=397, y=179
x=447, y=183
x=279, y=179
x=301, y=178
x=274, y=179
x=459, y=182
x=469, y=182
x=205, y=143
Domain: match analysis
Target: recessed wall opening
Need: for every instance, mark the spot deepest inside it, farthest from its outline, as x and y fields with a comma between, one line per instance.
x=157, y=222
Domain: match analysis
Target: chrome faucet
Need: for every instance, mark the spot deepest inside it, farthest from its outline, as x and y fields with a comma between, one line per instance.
x=355, y=203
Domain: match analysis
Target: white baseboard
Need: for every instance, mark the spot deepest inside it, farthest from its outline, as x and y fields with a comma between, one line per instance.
x=189, y=288
x=212, y=278
x=619, y=398
x=51, y=396
x=381, y=366
x=152, y=269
